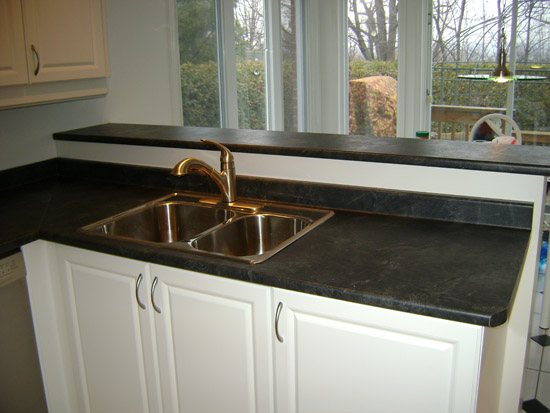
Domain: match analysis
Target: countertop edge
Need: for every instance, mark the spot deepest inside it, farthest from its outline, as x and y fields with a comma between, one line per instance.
x=441, y=153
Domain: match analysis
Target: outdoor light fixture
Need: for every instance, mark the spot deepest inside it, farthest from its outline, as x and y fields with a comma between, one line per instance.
x=501, y=74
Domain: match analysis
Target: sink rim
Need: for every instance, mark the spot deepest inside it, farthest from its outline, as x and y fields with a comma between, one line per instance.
x=242, y=209
x=255, y=258
x=92, y=228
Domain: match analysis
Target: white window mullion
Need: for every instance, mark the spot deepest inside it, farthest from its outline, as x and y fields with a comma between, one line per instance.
x=414, y=67
x=227, y=69
x=343, y=69
x=324, y=66
x=513, y=58
x=274, y=101
x=301, y=67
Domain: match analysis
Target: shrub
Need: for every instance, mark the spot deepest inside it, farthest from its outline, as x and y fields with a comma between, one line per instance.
x=359, y=68
x=200, y=94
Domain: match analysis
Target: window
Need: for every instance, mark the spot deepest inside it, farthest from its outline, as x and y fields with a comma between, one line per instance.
x=249, y=33
x=289, y=44
x=246, y=64
x=198, y=62
x=283, y=64
x=372, y=53
x=223, y=69
x=465, y=47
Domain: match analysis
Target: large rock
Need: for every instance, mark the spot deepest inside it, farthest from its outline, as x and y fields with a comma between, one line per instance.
x=373, y=106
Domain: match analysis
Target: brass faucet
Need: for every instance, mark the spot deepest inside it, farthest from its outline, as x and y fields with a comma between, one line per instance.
x=225, y=179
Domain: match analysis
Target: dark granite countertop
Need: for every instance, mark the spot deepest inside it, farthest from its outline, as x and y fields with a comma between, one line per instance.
x=533, y=160
x=456, y=271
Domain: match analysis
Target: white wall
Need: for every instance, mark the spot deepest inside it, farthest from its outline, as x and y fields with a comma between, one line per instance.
x=142, y=88
x=143, y=55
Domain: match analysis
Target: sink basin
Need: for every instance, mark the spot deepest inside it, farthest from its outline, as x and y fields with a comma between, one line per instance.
x=250, y=232
x=164, y=222
x=251, y=235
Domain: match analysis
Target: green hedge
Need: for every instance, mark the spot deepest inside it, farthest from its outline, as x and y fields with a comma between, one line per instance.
x=200, y=94
x=201, y=108
x=359, y=68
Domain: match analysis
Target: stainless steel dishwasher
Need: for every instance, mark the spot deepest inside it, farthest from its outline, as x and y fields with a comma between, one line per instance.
x=21, y=387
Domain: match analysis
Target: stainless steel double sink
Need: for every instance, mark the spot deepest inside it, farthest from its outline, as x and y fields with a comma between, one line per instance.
x=245, y=231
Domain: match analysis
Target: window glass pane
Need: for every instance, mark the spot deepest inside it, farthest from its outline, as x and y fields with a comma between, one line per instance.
x=288, y=44
x=372, y=52
x=465, y=51
x=249, y=57
x=532, y=97
x=465, y=38
x=198, y=60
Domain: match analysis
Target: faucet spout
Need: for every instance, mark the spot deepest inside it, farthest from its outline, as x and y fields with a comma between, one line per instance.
x=225, y=180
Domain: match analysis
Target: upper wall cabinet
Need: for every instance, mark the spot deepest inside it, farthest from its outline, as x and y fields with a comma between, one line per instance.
x=51, y=50
x=13, y=62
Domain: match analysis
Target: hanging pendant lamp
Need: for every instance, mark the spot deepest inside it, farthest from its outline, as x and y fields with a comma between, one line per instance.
x=501, y=74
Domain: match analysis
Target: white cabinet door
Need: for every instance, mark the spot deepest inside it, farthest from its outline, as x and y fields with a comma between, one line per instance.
x=343, y=357
x=13, y=60
x=65, y=39
x=111, y=336
x=214, y=341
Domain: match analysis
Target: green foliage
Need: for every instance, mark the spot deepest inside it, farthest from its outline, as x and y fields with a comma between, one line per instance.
x=359, y=68
x=251, y=94
x=197, y=30
x=290, y=97
x=200, y=94
x=532, y=99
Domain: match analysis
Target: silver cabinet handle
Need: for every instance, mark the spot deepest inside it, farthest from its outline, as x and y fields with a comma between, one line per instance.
x=37, y=68
x=153, y=286
x=277, y=316
x=138, y=283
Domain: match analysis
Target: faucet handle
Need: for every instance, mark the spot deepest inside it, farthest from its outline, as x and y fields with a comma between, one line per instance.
x=226, y=157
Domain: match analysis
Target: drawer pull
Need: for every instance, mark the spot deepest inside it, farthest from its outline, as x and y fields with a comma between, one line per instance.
x=138, y=283
x=37, y=68
x=153, y=286
x=277, y=316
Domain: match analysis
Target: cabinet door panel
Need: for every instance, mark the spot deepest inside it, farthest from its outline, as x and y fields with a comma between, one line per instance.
x=13, y=60
x=107, y=332
x=345, y=357
x=215, y=342
x=68, y=38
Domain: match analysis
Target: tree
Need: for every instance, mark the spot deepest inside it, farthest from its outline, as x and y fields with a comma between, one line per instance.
x=373, y=28
x=249, y=26
x=468, y=31
x=197, y=30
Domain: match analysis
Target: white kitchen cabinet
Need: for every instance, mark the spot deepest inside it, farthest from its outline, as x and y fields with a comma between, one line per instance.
x=111, y=337
x=51, y=50
x=214, y=340
x=338, y=356
x=209, y=344
x=210, y=350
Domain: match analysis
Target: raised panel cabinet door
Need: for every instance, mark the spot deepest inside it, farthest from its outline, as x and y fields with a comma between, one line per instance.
x=111, y=334
x=214, y=343
x=13, y=60
x=335, y=356
x=65, y=39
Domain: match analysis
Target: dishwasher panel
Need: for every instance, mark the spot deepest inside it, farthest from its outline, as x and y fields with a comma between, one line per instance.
x=21, y=386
